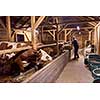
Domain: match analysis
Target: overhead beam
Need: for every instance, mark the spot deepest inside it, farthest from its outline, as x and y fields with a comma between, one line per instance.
x=84, y=17
x=91, y=23
x=70, y=29
x=72, y=22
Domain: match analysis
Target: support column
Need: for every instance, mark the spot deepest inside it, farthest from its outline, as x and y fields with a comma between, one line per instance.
x=33, y=33
x=54, y=35
x=90, y=35
x=99, y=40
x=65, y=36
x=41, y=34
x=57, y=40
x=8, y=28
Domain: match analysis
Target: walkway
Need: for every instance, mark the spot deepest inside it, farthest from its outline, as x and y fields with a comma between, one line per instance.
x=75, y=72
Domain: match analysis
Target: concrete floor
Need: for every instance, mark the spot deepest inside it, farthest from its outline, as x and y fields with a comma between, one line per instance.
x=75, y=72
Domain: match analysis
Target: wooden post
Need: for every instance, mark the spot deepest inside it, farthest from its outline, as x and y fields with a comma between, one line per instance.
x=69, y=32
x=98, y=39
x=57, y=36
x=65, y=36
x=90, y=35
x=34, y=25
x=54, y=34
x=57, y=40
x=8, y=27
x=33, y=33
x=41, y=34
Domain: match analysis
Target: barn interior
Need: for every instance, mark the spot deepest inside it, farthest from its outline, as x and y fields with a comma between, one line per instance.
x=38, y=49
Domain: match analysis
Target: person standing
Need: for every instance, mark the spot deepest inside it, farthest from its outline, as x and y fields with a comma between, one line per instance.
x=76, y=47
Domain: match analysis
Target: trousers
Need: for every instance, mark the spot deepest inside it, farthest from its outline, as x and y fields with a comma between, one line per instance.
x=76, y=55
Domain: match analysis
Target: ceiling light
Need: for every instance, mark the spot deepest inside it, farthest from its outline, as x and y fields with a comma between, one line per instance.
x=78, y=28
x=79, y=33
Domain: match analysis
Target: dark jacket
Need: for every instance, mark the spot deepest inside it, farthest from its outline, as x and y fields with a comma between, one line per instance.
x=75, y=44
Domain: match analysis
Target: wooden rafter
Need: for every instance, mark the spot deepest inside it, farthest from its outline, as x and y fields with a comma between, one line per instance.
x=70, y=28
x=93, y=23
x=72, y=22
x=17, y=21
x=84, y=17
x=38, y=22
x=24, y=23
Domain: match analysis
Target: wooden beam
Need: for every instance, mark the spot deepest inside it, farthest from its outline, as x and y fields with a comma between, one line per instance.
x=57, y=40
x=59, y=31
x=92, y=23
x=33, y=32
x=90, y=35
x=34, y=25
x=69, y=32
x=27, y=37
x=72, y=22
x=24, y=23
x=57, y=21
x=70, y=29
x=38, y=22
x=8, y=27
x=65, y=38
x=53, y=35
x=42, y=30
x=84, y=17
x=14, y=50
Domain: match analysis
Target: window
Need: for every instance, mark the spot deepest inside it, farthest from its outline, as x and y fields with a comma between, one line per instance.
x=20, y=38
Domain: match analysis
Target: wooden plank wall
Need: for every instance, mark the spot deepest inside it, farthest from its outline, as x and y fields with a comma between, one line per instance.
x=50, y=72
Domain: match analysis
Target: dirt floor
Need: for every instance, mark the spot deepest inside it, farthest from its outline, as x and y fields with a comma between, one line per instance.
x=75, y=72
